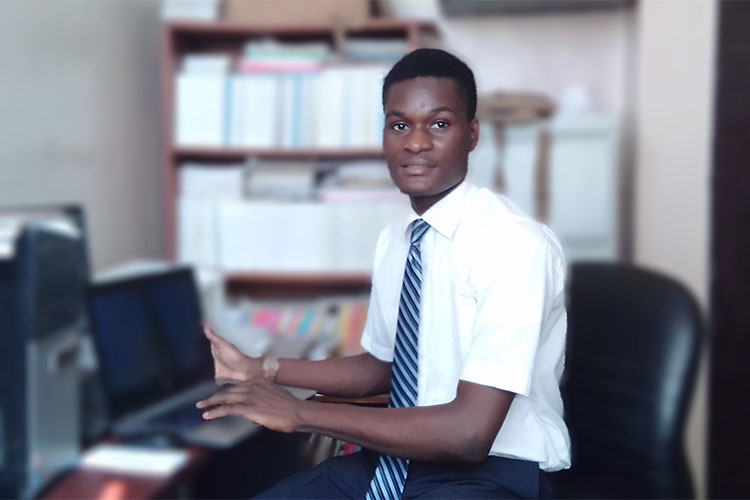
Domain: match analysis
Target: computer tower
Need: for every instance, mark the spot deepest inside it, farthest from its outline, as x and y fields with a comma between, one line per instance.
x=43, y=274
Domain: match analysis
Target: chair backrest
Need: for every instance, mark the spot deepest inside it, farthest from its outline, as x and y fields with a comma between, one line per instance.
x=633, y=342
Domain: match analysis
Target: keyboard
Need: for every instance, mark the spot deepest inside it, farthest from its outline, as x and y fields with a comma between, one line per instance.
x=183, y=416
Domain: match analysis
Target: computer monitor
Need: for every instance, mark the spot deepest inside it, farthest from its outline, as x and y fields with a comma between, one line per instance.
x=149, y=339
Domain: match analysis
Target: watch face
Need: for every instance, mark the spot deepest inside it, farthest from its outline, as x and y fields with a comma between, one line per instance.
x=270, y=367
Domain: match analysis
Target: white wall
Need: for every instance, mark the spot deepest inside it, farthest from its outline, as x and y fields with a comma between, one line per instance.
x=548, y=53
x=673, y=163
x=80, y=117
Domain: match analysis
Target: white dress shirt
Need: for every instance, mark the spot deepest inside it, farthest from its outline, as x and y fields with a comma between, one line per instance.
x=492, y=312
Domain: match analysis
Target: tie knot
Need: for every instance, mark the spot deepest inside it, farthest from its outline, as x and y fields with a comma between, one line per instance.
x=417, y=231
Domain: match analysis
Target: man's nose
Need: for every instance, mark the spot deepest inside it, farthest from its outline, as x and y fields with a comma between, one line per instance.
x=419, y=140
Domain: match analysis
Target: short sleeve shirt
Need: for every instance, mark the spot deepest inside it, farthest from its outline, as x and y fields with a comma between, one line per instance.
x=492, y=312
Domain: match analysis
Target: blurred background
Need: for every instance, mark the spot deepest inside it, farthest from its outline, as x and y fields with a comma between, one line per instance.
x=242, y=138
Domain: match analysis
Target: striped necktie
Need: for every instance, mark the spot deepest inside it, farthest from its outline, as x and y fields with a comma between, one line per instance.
x=390, y=474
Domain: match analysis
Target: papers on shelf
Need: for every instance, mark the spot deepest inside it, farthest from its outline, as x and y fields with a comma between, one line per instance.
x=271, y=216
x=257, y=236
x=211, y=180
x=281, y=179
x=206, y=63
x=197, y=10
x=291, y=103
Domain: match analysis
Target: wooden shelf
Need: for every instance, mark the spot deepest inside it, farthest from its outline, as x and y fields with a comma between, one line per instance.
x=292, y=279
x=274, y=285
x=370, y=26
x=226, y=153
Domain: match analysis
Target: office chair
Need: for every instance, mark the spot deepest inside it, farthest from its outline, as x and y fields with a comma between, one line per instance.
x=634, y=338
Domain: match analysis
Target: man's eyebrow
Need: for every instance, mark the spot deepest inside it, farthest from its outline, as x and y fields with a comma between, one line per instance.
x=433, y=111
x=441, y=109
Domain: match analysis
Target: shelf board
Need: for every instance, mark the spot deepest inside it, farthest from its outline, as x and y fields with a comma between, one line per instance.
x=291, y=279
x=209, y=153
x=285, y=285
x=370, y=26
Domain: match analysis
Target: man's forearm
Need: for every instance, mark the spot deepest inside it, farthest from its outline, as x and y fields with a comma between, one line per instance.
x=432, y=433
x=351, y=376
x=462, y=430
x=414, y=433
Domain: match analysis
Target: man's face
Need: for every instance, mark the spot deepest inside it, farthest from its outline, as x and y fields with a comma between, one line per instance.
x=427, y=138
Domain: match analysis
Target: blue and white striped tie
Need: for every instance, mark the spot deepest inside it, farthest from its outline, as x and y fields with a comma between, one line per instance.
x=390, y=474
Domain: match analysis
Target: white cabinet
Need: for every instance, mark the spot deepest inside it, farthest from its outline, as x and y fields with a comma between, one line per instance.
x=582, y=180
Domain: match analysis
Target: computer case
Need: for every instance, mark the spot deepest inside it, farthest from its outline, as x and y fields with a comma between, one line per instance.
x=43, y=274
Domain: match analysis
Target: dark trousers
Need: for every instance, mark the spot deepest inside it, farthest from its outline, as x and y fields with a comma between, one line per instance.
x=349, y=477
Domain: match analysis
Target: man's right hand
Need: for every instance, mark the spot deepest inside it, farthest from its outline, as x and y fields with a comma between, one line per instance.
x=230, y=365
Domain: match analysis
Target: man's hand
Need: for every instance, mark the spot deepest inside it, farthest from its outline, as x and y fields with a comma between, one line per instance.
x=258, y=400
x=229, y=363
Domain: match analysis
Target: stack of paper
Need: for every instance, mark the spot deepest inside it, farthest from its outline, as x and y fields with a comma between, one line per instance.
x=281, y=179
x=360, y=182
x=198, y=180
x=190, y=10
x=375, y=49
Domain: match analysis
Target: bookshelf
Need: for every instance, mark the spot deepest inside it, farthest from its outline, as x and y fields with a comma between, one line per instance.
x=182, y=38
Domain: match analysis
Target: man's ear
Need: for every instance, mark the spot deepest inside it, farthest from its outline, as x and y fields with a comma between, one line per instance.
x=473, y=134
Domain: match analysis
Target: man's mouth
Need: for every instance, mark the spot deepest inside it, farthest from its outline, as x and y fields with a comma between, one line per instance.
x=417, y=169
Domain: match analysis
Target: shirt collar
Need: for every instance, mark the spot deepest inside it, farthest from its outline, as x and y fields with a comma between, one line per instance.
x=444, y=215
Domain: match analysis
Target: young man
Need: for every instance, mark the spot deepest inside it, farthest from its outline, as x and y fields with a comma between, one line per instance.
x=465, y=330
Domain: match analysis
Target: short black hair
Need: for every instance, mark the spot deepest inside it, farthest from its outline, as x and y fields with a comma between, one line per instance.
x=439, y=64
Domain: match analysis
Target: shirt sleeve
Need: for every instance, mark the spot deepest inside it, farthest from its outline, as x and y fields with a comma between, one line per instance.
x=375, y=338
x=512, y=284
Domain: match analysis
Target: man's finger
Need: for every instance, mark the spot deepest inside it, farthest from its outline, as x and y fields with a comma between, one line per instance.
x=214, y=337
x=237, y=410
x=225, y=396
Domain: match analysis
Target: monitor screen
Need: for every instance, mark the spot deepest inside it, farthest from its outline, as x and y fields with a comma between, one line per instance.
x=149, y=340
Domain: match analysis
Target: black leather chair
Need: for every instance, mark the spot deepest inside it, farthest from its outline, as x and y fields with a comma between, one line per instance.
x=633, y=342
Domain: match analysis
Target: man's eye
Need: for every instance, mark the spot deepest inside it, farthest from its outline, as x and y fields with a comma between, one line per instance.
x=440, y=124
x=399, y=127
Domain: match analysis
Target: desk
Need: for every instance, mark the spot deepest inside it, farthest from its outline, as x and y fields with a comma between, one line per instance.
x=240, y=472
x=105, y=485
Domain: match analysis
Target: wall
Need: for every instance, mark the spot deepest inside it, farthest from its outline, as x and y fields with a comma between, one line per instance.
x=80, y=117
x=674, y=122
x=551, y=53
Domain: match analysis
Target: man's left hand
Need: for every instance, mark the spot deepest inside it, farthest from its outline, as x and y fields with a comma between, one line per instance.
x=258, y=400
